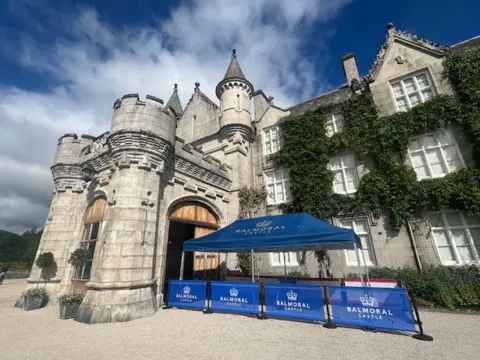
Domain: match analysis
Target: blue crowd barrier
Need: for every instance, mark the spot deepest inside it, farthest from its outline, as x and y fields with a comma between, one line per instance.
x=379, y=308
x=305, y=302
x=187, y=294
x=234, y=297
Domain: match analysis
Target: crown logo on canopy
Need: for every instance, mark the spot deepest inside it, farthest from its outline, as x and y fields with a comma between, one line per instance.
x=368, y=301
x=292, y=296
x=186, y=290
x=263, y=223
x=233, y=292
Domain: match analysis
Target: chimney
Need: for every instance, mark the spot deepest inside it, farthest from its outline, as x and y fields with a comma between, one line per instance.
x=350, y=67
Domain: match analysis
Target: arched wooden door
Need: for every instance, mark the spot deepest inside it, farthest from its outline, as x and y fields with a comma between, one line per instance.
x=205, y=222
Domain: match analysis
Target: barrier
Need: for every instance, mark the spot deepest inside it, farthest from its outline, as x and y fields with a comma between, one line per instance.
x=187, y=294
x=294, y=301
x=234, y=297
x=380, y=308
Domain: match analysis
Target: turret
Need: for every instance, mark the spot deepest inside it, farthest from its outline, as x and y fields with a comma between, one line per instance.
x=69, y=149
x=66, y=170
x=234, y=93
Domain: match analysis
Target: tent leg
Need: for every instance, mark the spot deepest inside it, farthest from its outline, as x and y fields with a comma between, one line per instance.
x=182, y=265
x=253, y=268
x=360, y=270
x=204, y=266
x=366, y=268
x=285, y=264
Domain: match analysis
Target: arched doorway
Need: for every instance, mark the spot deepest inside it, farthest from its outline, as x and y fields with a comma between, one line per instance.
x=189, y=220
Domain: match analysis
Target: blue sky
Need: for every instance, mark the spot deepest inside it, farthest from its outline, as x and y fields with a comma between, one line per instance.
x=63, y=63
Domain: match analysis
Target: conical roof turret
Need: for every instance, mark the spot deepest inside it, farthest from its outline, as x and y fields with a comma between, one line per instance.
x=234, y=72
x=174, y=102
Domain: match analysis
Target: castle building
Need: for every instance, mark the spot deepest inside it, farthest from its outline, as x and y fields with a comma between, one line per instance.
x=165, y=173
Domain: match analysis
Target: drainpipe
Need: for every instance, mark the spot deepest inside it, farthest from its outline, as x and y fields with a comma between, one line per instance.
x=414, y=246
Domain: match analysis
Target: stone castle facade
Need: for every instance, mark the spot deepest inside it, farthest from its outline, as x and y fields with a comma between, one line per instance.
x=123, y=194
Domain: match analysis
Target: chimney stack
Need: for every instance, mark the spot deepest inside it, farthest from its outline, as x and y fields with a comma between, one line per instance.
x=350, y=67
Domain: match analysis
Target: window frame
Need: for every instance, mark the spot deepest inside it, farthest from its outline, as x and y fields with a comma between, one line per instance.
x=442, y=154
x=264, y=141
x=284, y=186
x=332, y=119
x=448, y=229
x=274, y=263
x=370, y=249
x=414, y=76
x=343, y=170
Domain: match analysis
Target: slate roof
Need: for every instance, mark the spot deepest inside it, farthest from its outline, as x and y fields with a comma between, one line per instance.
x=234, y=71
x=467, y=44
x=332, y=98
x=174, y=102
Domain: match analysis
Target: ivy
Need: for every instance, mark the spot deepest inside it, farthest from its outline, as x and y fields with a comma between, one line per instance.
x=389, y=187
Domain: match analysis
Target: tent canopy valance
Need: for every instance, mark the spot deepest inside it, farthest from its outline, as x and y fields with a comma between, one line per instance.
x=289, y=232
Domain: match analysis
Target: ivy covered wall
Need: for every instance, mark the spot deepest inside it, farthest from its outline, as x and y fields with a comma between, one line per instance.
x=389, y=188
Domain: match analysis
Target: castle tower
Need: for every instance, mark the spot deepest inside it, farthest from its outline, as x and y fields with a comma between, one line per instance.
x=236, y=131
x=141, y=142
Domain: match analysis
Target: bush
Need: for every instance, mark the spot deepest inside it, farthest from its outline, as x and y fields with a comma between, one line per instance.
x=76, y=297
x=35, y=292
x=444, y=286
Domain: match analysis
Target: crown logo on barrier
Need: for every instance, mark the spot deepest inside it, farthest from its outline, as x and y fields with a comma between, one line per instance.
x=292, y=296
x=263, y=224
x=186, y=290
x=369, y=301
x=233, y=292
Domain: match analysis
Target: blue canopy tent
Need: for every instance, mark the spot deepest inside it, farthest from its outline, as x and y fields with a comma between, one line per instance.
x=289, y=232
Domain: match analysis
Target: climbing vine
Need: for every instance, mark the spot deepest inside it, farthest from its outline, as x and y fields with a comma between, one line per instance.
x=389, y=187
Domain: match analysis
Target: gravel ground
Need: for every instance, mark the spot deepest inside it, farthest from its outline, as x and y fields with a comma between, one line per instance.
x=180, y=334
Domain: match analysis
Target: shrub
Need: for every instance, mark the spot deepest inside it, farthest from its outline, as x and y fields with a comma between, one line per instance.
x=35, y=292
x=76, y=297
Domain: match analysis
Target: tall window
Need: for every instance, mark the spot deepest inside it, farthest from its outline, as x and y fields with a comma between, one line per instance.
x=277, y=187
x=360, y=227
x=278, y=259
x=271, y=140
x=345, y=171
x=334, y=124
x=91, y=233
x=457, y=237
x=434, y=155
x=412, y=91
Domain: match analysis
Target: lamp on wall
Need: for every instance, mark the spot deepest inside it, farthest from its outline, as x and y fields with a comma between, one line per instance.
x=88, y=172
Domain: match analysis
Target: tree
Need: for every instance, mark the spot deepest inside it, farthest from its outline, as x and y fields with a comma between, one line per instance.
x=77, y=259
x=251, y=201
x=47, y=265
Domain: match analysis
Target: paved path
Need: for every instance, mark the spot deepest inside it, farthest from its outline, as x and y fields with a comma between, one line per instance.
x=179, y=334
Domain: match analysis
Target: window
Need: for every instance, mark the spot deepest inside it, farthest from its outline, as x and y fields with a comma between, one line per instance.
x=360, y=227
x=277, y=187
x=90, y=236
x=434, y=155
x=345, y=171
x=412, y=91
x=271, y=140
x=278, y=259
x=334, y=124
x=457, y=237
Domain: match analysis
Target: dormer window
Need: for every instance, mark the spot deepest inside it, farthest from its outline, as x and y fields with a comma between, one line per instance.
x=334, y=124
x=412, y=90
x=271, y=140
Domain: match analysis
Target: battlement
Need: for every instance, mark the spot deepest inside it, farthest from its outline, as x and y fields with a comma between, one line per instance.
x=134, y=99
x=67, y=138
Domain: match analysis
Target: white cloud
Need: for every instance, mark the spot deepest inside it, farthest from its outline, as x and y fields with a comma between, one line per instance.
x=92, y=63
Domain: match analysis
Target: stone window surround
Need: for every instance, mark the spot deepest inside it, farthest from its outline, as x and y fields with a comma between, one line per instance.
x=290, y=257
x=413, y=75
x=448, y=229
x=442, y=153
x=370, y=248
x=284, y=183
x=343, y=169
x=336, y=121
x=273, y=129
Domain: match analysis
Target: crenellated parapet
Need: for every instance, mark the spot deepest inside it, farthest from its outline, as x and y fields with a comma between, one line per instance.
x=67, y=176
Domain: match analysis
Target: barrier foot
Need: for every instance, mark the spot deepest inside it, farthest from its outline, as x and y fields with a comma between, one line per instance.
x=422, y=337
x=207, y=311
x=165, y=307
x=261, y=317
x=329, y=325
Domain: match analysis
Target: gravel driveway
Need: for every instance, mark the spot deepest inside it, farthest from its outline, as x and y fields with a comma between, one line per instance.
x=180, y=334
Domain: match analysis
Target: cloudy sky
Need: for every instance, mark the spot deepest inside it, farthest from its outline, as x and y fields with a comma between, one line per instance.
x=63, y=64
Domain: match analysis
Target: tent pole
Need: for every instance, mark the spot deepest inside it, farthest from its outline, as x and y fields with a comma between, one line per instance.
x=366, y=268
x=204, y=266
x=359, y=263
x=182, y=267
x=284, y=264
x=253, y=268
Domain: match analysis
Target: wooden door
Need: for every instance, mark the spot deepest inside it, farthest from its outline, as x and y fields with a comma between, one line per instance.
x=204, y=260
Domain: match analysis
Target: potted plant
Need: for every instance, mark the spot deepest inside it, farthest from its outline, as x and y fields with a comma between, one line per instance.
x=35, y=298
x=69, y=303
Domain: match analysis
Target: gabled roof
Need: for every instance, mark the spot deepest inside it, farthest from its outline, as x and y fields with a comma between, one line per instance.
x=174, y=102
x=329, y=99
x=234, y=71
x=197, y=93
x=405, y=37
x=467, y=44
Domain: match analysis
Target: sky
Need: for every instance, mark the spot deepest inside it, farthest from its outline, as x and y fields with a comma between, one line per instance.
x=63, y=63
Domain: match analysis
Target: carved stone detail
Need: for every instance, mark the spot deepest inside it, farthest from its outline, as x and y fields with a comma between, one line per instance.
x=188, y=168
